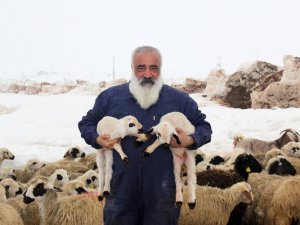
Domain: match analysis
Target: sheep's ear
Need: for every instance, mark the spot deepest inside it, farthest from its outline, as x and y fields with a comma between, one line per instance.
x=66, y=154
x=177, y=139
x=248, y=195
x=150, y=131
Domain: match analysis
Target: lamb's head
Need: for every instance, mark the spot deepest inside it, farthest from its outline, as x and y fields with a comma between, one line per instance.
x=34, y=164
x=59, y=177
x=38, y=189
x=245, y=190
x=74, y=187
x=281, y=166
x=245, y=164
x=164, y=131
x=292, y=149
x=132, y=127
x=12, y=187
x=6, y=154
x=91, y=178
x=8, y=172
x=74, y=152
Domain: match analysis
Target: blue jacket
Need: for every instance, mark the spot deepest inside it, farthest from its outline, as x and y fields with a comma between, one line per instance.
x=143, y=191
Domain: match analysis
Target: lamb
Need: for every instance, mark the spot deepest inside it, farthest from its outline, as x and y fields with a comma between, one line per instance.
x=115, y=128
x=5, y=154
x=214, y=205
x=12, y=187
x=74, y=153
x=256, y=146
x=78, y=209
x=164, y=130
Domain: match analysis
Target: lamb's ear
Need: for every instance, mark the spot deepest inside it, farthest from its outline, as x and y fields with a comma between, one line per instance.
x=150, y=131
x=248, y=195
x=177, y=139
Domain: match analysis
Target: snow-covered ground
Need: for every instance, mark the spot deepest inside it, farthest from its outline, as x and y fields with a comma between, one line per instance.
x=45, y=126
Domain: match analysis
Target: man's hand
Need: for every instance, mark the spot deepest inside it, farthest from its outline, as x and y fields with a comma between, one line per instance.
x=185, y=139
x=105, y=141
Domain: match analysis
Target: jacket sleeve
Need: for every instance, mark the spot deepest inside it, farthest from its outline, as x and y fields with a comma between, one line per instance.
x=88, y=124
x=203, y=129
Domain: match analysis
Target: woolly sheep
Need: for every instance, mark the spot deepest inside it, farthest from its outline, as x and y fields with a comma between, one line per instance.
x=284, y=207
x=280, y=165
x=214, y=205
x=89, y=160
x=25, y=174
x=256, y=146
x=79, y=209
x=164, y=131
x=115, y=128
x=12, y=187
x=90, y=179
x=74, y=153
x=5, y=154
x=74, y=187
x=59, y=178
x=8, y=172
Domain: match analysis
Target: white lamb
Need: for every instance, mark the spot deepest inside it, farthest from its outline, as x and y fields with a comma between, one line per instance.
x=5, y=154
x=164, y=131
x=115, y=128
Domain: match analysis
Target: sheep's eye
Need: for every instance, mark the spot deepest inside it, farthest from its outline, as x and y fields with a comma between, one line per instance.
x=34, y=163
x=131, y=125
x=6, y=187
x=94, y=178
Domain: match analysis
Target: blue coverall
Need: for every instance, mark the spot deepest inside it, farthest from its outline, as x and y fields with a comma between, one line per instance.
x=142, y=191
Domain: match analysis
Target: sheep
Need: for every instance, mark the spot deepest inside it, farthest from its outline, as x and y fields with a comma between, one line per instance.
x=115, y=128
x=59, y=178
x=7, y=172
x=12, y=187
x=74, y=187
x=284, y=207
x=89, y=178
x=5, y=154
x=89, y=160
x=214, y=205
x=9, y=215
x=74, y=153
x=78, y=209
x=164, y=130
x=256, y=146
x=280, y=165
x=292, y=149
x=29, y=169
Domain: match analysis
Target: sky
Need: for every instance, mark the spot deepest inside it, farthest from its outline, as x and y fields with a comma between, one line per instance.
x=45, y=126
x=84, y=38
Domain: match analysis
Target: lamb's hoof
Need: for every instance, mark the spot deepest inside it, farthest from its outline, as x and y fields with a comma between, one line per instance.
x=125, y=160
x=100, y=198
x=146, y=154
x=105, y=194
x=178, y=204
x=192, y=205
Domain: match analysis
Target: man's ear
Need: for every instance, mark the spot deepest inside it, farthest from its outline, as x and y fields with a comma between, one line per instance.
x=177, y=139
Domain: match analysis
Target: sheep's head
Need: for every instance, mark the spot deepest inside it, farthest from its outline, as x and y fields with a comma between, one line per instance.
x=59, y=177
x=38, y=189
x=281, y=166
x=132, y=127
x=91, y=179
x=8, y=172
x=74, y=152
x=164, y=131
x=6, y=154
x=237, y=139
x=74, y=187
x=245, y=164
x=292, y=149
x=12, y=187
x=34, y=164
x=216, y=160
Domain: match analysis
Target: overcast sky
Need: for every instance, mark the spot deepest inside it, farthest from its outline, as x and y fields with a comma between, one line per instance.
x=80, y=38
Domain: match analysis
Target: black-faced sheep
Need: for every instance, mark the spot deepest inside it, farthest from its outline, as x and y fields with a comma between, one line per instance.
x=79, y=209
x=165, y=130
x=115, y=128
x=74, y=152
x=256, y=146
x=214, y=205
x=281, y=166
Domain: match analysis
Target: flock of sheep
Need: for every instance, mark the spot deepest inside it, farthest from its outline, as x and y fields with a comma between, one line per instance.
x=258, y=183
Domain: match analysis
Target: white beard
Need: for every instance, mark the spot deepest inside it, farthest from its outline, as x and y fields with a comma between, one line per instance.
x=145, y=95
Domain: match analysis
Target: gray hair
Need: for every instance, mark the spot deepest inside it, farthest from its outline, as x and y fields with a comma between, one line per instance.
x=146, y=49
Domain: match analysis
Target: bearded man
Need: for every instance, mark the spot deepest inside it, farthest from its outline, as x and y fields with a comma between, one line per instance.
x=143, y=191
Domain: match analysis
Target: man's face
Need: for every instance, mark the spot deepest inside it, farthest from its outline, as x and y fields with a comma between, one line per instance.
x=146, y=66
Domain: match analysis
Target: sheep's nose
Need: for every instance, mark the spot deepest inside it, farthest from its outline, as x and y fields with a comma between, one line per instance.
x=82, y=155
x=13, y=177
x=141, y=130
x=208, y=167
x=12, y=157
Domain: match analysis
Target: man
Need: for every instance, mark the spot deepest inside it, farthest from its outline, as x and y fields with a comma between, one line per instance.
x=143, y=191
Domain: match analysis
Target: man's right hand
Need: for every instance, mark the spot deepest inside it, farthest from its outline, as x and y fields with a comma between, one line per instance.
x=105, y=141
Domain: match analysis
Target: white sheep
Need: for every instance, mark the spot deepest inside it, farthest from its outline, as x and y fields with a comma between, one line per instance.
x=115, y=128
x=214, y=205
x=78, y=209
x=12, y=187
x=256, y=146
x=7, y=172
x=5, y=154
x=74, y=187
x=90, y=178
x=165, y=130
x=25, y=174
x=74, y=152
x=292, y=149
x=59, y=178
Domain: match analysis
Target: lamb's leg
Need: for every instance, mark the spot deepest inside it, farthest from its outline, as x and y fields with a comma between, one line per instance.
x=191, y=178
x=119, y=149
x=177, y=161
x=100, y=164
x=108, y=171
x=152, y=147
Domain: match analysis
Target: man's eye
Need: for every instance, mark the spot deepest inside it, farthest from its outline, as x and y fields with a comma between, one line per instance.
x=154, y=68
x=140, y=68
